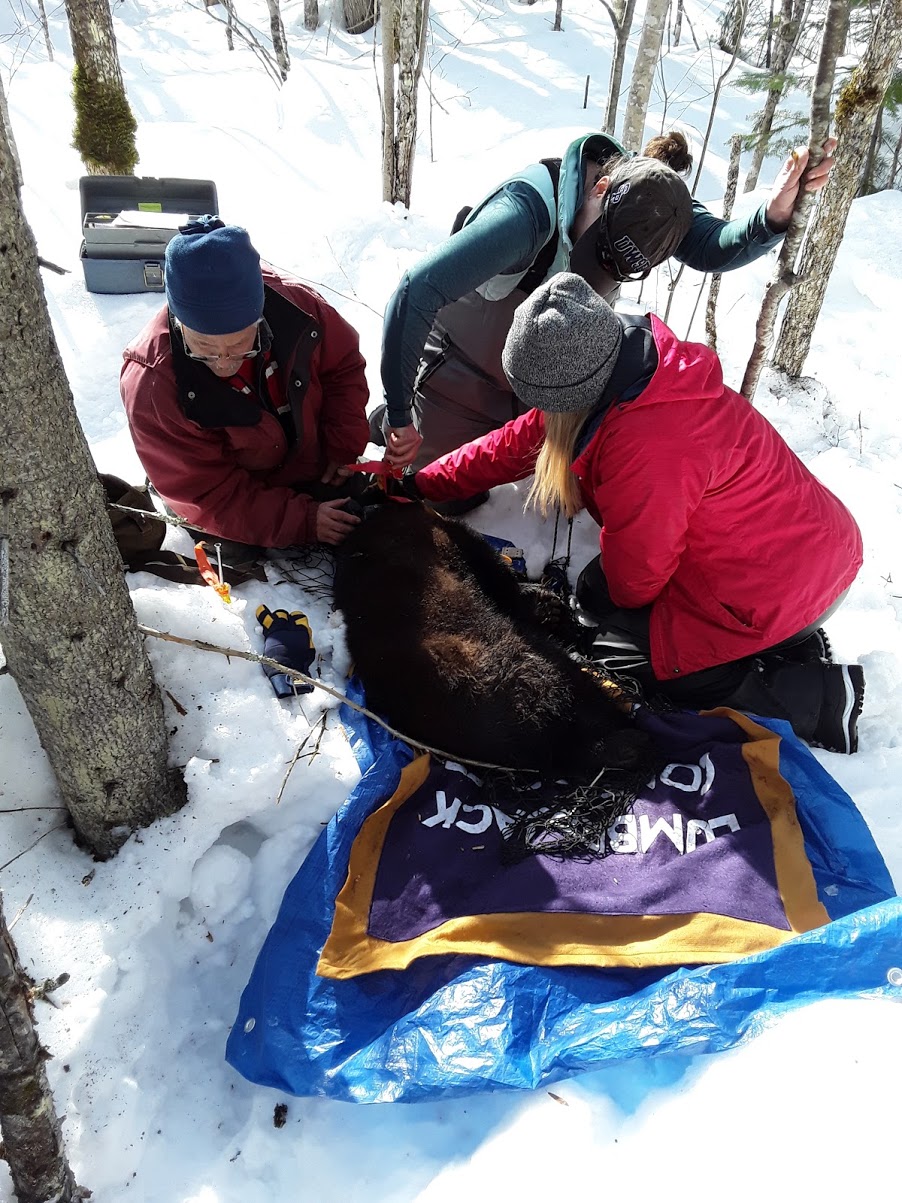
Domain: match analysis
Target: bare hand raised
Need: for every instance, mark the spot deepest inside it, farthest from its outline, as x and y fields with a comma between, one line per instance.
x=786, y=186
x=402, y=445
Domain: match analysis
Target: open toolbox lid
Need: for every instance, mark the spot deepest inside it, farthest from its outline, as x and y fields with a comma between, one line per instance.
x=140, y=212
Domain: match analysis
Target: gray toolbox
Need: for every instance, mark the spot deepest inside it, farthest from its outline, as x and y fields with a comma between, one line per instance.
x=119, y=252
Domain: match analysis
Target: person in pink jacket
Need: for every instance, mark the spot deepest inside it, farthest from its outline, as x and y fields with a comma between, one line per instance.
x=721, y=554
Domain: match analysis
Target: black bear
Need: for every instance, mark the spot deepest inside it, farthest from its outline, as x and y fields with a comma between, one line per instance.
x=456, y=653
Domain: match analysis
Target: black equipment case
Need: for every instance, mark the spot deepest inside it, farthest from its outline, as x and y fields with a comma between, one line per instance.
x=119, y=257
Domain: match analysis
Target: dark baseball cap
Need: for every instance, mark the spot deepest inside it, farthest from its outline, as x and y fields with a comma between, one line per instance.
x=646, y=213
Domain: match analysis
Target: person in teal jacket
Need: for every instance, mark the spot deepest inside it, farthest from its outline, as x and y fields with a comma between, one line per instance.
x=611, y=218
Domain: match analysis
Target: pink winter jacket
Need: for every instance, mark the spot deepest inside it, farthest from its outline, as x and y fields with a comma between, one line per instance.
x=221, y=460
x=705, y=512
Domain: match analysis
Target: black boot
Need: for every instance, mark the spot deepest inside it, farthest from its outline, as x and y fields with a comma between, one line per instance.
x=375, y=420
x=821, y=701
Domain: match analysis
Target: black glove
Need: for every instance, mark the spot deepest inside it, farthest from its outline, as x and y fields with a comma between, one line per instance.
x=288, y=639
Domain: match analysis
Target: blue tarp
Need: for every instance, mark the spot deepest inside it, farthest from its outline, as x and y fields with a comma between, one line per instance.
x=456, y=1025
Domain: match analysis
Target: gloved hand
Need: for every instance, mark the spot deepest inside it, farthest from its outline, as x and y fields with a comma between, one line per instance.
x=288, y=639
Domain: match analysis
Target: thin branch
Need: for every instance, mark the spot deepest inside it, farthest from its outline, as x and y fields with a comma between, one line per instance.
x=50, y=831
x=297, y=756
x=293, y=673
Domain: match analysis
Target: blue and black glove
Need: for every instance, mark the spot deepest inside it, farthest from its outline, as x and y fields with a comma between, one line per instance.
x=288, y=639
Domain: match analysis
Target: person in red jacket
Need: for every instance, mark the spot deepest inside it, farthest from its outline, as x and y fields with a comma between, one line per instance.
x=246, y=396
x=721, y=554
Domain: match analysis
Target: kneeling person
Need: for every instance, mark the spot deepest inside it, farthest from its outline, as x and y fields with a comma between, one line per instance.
x=721, y=554
x=245, y=395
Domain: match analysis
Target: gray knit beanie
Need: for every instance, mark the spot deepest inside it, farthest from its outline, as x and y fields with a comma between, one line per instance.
x=562, y=346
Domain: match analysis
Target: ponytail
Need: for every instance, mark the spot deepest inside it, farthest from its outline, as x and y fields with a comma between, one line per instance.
x=554, y=484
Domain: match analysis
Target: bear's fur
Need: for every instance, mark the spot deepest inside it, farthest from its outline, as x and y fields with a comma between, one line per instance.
x=456, y=653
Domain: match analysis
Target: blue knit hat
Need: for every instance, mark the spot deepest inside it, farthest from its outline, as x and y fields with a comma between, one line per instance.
x=213, y=280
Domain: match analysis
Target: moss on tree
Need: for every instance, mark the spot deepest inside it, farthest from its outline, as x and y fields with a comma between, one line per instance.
x=105, y=127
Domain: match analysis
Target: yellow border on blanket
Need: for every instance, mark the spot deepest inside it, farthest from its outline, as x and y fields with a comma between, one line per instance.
x=573, y=939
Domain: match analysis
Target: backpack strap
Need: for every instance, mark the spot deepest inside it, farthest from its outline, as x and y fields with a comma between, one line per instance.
x=539, y=270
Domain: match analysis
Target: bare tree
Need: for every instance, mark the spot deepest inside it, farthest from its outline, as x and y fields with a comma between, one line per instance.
x=403, y=38
x=728, y=199
x=311, y=14
x=558, y=14
x=621, y=14
x=780, y=55
x=66, y=621
x=359, y=15
x=42, y=13
x=32, y=1135
x=834, y=37
x=643, y=73
x=105, y=127
x=279, y=41
x=857, y=111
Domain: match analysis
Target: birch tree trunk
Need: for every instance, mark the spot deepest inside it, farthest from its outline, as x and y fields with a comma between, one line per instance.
x=42, y=12
x=784, y=47
x=403, y=34
x=728, y=200
x=643, y=73
x=621, y=14
x=858, y=108
x=832, y=43
x=32, y=1134
x=389, y=54
x=279, y=41
x=67, y=625
x=311, y=14
x=105, y=128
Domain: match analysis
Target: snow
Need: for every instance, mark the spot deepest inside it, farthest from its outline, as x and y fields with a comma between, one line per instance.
x=160, y=941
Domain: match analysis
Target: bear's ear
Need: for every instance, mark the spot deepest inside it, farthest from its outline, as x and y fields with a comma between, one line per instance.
x=624, y=749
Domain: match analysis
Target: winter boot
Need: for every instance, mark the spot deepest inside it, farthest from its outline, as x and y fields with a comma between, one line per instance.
x=377, y=435
x=821, y=701
x=815, y=647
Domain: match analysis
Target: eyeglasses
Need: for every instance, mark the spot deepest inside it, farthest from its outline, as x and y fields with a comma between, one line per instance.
x=241, y=355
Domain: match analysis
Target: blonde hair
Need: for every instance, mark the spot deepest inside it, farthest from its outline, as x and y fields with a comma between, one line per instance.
x=554, y=483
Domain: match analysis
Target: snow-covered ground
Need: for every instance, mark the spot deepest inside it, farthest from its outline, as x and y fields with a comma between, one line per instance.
x=160, y=941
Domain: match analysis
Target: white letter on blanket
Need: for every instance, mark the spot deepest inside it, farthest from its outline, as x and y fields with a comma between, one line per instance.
x=695, y=828
x=622, y=834
x=446, y=814
x=648, y=834
x=476, y=828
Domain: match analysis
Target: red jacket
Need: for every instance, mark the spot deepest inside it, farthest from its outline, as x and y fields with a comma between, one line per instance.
x=217, y=456
x=706, y=514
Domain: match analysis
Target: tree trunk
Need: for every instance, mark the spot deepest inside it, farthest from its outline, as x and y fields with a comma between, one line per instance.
x=279, y=41
x=835, y=28
x=403, y=43
x=311, y=14
x=105, y=128
x=894, y=170
x=15, y=165
x=42, y=11
x=866, y=185
x=558, y=14
x=729, y=198
x=69, y=635
x=32, y=1134
x=678, y=23
x=643, y=73
x=859, y=105
x=622, y=19
x=786, y=38
x=389, y=14
x=359, y=15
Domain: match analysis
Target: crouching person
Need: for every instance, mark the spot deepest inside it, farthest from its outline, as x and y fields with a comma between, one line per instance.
x=721, y=554
x=245, y=395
